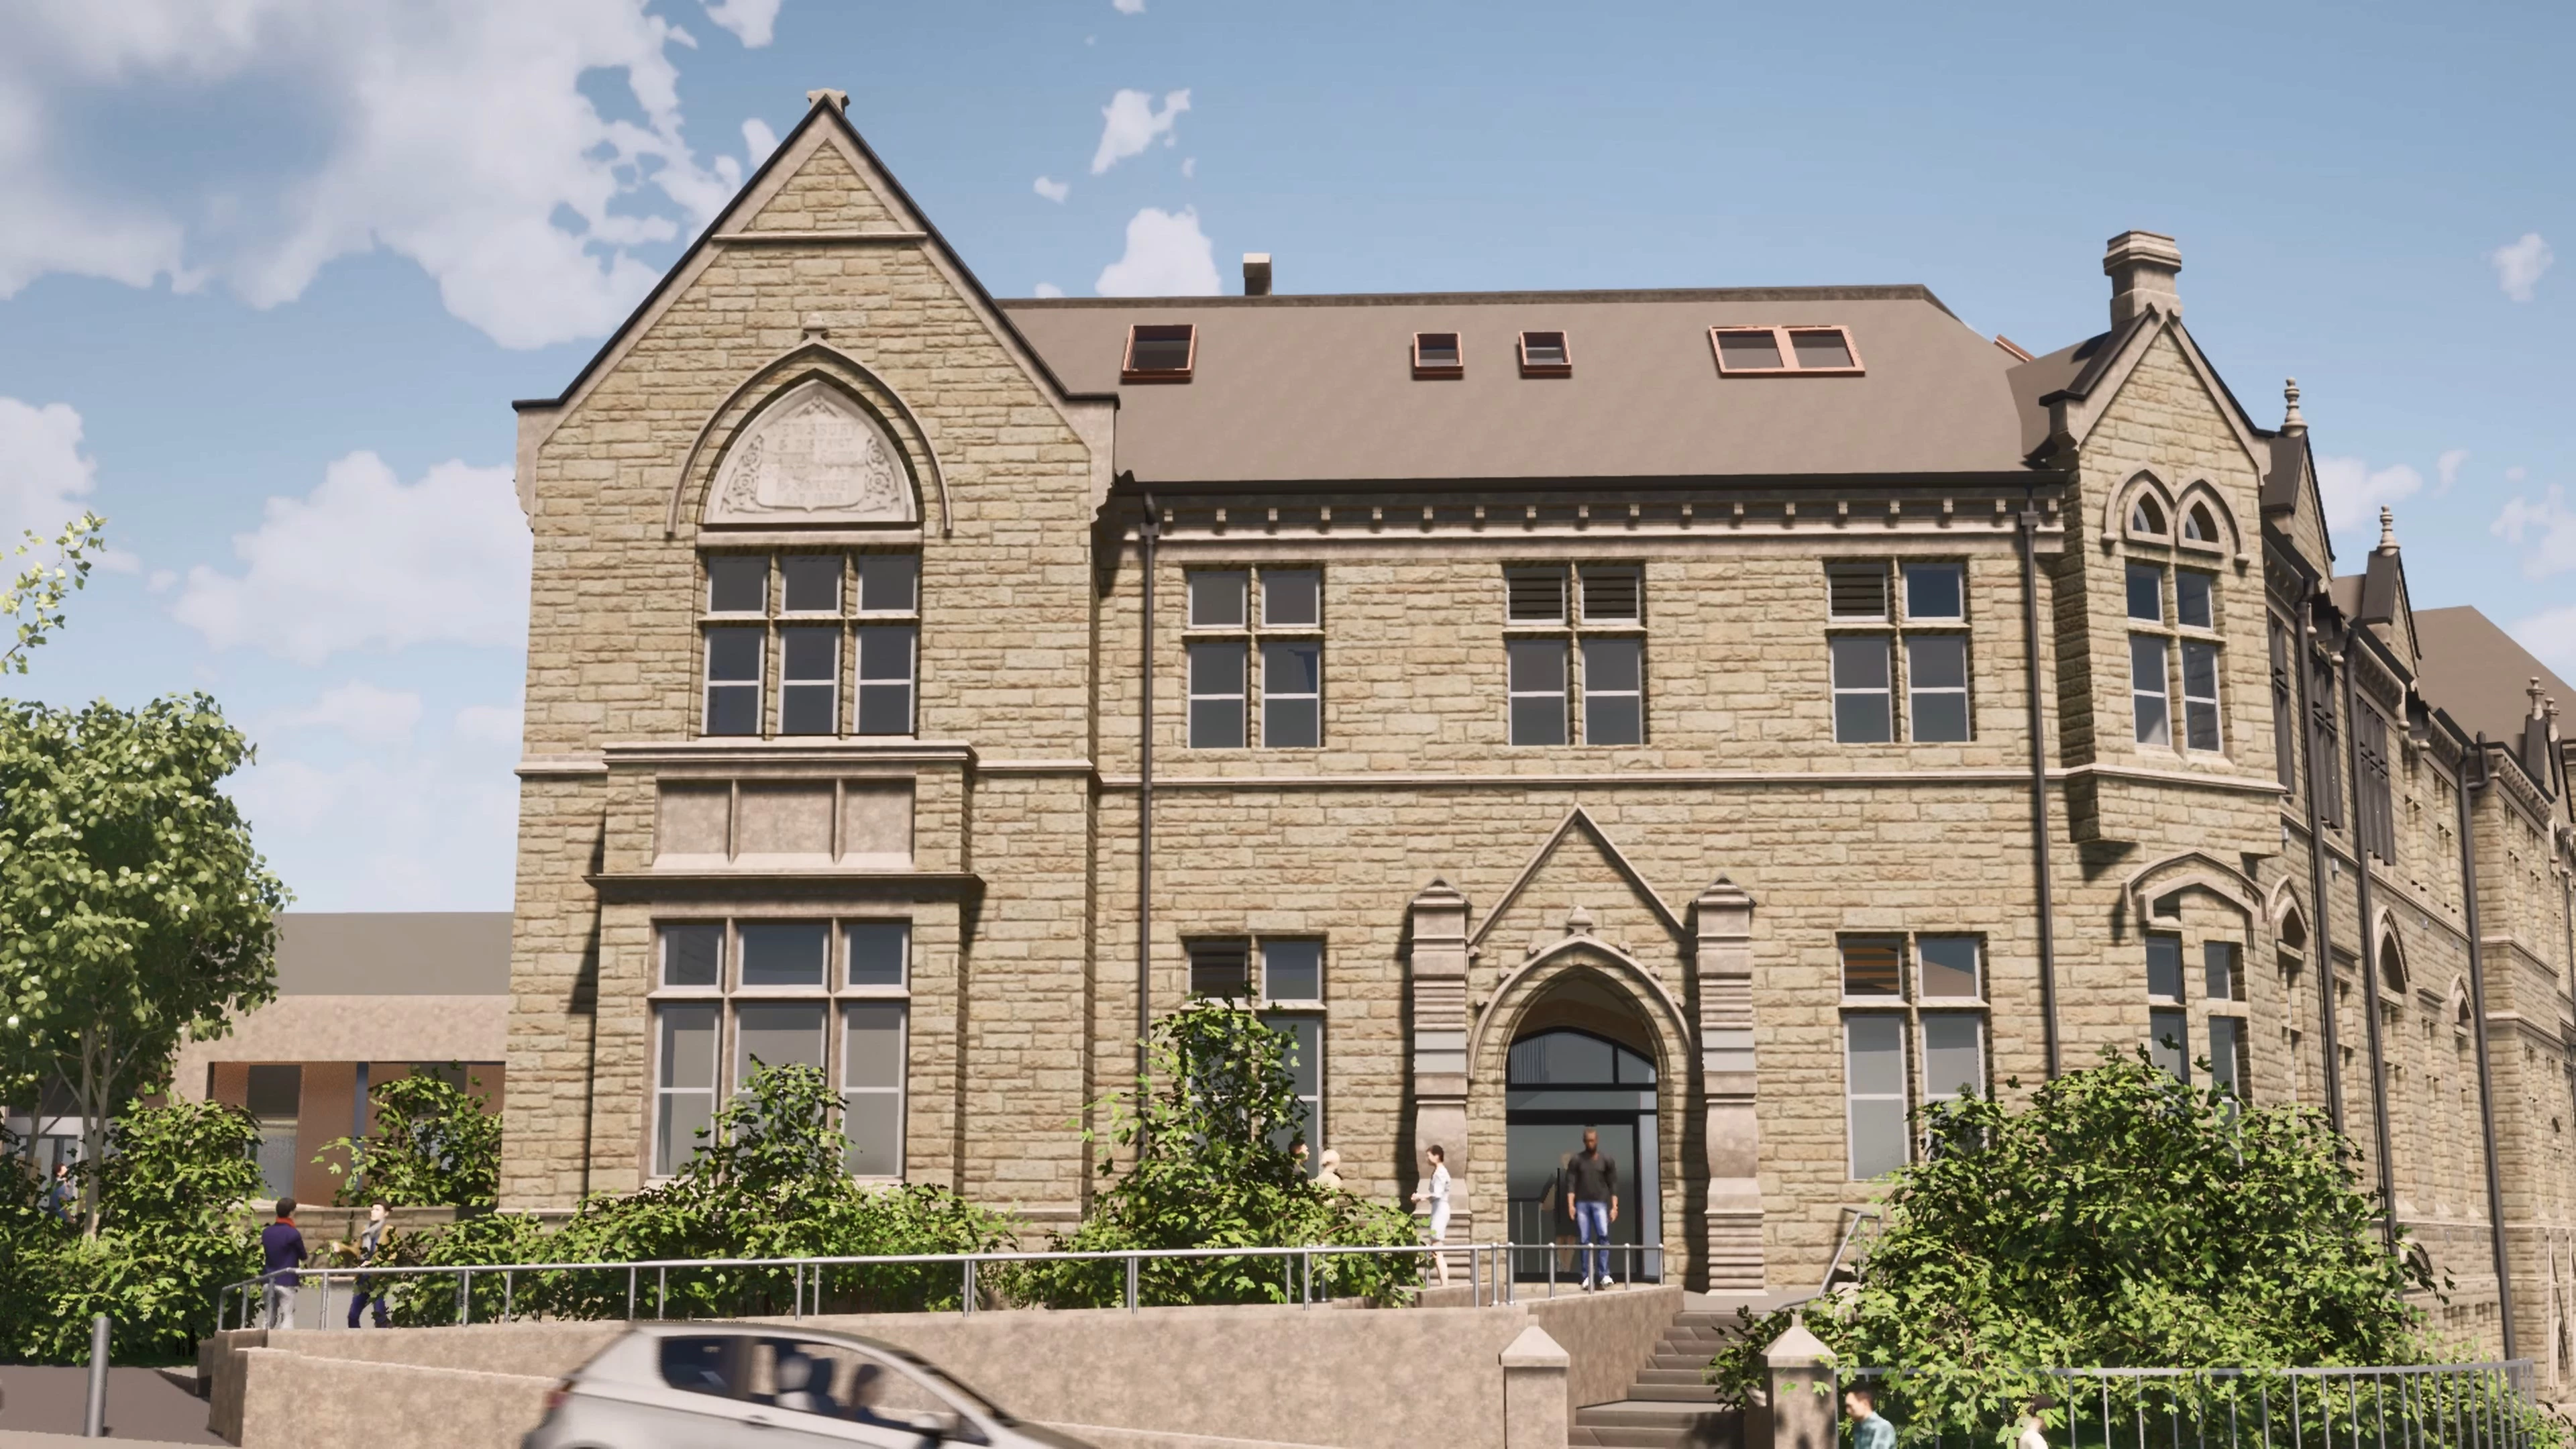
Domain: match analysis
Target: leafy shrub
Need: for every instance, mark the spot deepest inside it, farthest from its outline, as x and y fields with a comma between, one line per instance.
x=2121, y=1219
x=171, y=1192
x=767, y=1182
x=1208, y=1168
x=434, y=1145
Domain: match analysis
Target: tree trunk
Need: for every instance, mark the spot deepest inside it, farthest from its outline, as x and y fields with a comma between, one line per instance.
x=97, y=1076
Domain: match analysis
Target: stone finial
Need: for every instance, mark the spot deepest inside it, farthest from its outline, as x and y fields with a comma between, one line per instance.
x=1797, y=1346
x=2387, y=529
x=2291, y=420
x=840, y=100
x=1578, y=922
x=2534, y=691
x=814, y=326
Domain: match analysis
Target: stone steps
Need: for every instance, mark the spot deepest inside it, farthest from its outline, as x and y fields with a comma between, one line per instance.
x=1669, y=1406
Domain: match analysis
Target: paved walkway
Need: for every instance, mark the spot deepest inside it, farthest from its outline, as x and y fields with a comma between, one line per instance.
x=142, y=1404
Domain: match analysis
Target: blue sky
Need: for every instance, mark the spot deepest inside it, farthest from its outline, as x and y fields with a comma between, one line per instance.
x=271, y=271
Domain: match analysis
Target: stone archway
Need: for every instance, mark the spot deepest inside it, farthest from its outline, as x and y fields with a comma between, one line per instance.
x=1582, y=1058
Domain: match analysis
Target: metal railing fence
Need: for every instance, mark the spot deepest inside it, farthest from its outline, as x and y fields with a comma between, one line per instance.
x=637, y=1289
x=2425, y=1406
x=1566, y=1263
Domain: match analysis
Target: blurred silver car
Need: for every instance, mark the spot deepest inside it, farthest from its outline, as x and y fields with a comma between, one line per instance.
x=693, y=1385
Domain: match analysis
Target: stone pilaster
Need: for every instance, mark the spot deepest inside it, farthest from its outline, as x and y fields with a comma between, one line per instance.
x=1439, y=930
x=1732, y=1246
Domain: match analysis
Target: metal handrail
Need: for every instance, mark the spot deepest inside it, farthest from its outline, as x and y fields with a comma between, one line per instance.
x=1488, y=1272
x=2490, y=1404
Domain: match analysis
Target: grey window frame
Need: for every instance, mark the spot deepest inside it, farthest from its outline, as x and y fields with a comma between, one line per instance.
x=1258, y=637
x=1573, y=628
x=1911, y=1007
x=832, y=995
x=851, y=620
x=1899, y=626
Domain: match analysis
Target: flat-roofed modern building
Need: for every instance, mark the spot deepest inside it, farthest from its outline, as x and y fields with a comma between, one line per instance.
x=362, y=997
x=1726, y=718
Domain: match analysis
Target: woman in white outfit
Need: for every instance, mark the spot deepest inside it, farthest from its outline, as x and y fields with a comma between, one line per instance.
x=1436, y=1193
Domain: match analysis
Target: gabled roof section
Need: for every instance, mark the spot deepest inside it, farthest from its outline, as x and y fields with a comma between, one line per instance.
x=826, y=111
x=2481, y=677
x=2378, y=596
x=1322, y=390
x=2064, y=394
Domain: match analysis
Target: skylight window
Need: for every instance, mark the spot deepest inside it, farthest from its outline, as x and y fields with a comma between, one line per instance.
x=1813, y=351
x=1436, y=354
x=1544, y=354
x=1160, y=352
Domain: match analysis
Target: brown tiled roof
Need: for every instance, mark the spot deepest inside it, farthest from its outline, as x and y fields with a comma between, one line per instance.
x=1320, y=388
x=2476, y=673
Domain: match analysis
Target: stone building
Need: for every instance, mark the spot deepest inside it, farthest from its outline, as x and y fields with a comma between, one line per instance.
x=1726, y=718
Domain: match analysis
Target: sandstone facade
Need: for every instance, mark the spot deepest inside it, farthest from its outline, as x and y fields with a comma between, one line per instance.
x=1704, y=893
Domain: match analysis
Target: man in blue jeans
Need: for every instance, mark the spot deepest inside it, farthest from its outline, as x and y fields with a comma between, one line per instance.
x=1596, y=1207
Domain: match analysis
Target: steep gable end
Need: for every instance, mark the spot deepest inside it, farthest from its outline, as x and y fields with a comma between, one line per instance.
x=823, y=193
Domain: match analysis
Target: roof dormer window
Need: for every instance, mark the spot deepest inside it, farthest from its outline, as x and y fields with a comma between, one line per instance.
x=1436, y=354
x=1808, y=351
x=1160, y=352
x=1544, y=354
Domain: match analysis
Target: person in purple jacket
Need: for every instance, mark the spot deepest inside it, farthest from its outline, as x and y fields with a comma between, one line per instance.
x=281, y=1251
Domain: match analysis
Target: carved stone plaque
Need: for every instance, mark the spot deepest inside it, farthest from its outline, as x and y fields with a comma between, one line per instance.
x=813, y=456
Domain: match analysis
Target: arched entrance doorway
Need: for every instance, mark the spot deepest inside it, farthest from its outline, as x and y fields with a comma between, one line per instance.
x=1583, y=1059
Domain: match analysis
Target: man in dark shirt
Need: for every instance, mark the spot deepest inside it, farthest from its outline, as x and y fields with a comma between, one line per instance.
x=281, y=1251
x=1596, y=1207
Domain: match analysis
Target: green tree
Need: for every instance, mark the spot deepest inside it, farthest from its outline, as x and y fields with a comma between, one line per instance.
x=168, y=1234
x=2121, y=1219
x=35, y=598
x=434, y=1144
x=1208, y=1166
x=133, y=908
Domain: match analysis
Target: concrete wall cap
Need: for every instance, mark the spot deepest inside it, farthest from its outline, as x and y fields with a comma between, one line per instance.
x=1797, y=1348
x=1534, y=1349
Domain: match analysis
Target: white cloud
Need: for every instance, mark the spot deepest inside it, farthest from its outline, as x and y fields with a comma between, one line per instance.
x=2546, y=531
x=2354, y=492
x=455, y=135
x=1189, y=166
x=1054, y=190
x=1167, y=256
x=2518, y=265
x=491, y=724
x=2516, y=473
x=44, y=478
x=162, y=581
x=2551, y=634
x=1128, y=7
x=1046, y=289
x=752, y=22
x=2447, y=467
x=359, y=710
x=407, y=830
x=366, y=561
x=757, y=140
x=1130, y=123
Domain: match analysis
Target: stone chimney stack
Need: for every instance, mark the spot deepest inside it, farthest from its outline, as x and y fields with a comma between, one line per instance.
x=2141, y=266
x=1256, y=274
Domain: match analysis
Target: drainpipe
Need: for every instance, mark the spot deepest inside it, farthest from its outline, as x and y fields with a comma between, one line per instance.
x=2369, y=943
x=1150, y=532
x=2039, y=781
x=2319, y=937
x=2478, y=1011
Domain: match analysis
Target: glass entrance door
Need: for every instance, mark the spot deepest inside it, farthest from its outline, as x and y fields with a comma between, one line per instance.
x=1560, y=1083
